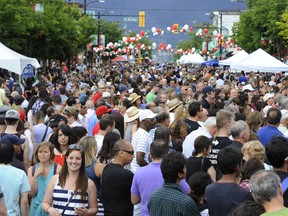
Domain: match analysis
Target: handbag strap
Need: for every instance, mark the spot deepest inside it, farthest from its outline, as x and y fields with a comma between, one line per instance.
x=73, y=194
x=44, y=134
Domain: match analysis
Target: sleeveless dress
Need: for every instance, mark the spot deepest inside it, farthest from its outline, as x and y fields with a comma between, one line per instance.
x=91, y=175
x=61, y=198
x=36, y=203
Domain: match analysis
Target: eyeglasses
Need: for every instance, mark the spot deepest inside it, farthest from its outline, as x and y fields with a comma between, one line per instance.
x=75, y=146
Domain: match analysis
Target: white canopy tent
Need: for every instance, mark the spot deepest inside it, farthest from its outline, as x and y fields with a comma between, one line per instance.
x=15, y=62
x=234, y=59
x=260, y=61
x=195, y=58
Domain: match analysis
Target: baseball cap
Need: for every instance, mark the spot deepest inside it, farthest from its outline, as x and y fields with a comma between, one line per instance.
x=12, y=114
x=83, y=85
x=101, y=110
x=123, y=88
x=106, y=95
x=267, y=96
x=248, y=87
x=207, y=89
x=284, y=113
x=146, y=114
x=13, y=139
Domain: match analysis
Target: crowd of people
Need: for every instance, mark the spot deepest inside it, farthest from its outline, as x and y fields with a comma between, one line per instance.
x=128, y=139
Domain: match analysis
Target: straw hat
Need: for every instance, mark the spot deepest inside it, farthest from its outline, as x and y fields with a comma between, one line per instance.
x=131, y=114
x=172, y=104
x=133, y=97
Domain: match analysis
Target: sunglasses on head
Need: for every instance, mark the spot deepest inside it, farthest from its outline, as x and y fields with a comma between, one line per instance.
x=76, y=147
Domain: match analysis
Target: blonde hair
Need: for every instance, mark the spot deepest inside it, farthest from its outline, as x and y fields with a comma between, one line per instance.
x=254, y=149
x=89, y=145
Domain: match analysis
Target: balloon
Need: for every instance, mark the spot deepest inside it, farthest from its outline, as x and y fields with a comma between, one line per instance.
x=158, y=30
x=191, y=28
x=161, y=44
x=186, y=27
x=169, y=46
x=153, y=29
x=175, y=26
x=124, y=39
x=169, y=28
x=205, y=30
x=193, y=49
x=204, y=51
x=162, y=32
x=154, y=44
x=142, y=33
x=139, y=45
x=215, y=33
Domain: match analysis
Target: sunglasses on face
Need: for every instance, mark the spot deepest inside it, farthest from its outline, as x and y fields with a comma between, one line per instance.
x=129, y=152
x=76, y=147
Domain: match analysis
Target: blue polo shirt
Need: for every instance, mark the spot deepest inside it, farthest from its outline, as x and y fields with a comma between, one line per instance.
x=266, y=133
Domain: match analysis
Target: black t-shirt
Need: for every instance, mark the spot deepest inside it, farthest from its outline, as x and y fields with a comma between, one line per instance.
x=195, y=164
x=192, y=125
x=116, y=184
x=218, y=144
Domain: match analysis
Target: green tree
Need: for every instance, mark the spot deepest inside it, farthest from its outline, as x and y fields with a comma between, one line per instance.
x=59, y=32
x=111, y=30
x=257, y=27
x=283, y=27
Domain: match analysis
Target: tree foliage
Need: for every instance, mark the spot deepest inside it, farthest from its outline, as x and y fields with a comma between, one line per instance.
x=60, y=31
x=257, y=27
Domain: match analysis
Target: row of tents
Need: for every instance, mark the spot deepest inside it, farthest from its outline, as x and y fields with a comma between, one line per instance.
x=258, y=60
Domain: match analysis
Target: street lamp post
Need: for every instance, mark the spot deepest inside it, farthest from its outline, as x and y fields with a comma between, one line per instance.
x=221, y=26
x=86, y=4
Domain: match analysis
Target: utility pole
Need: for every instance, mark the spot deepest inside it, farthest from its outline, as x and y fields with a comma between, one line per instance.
x=221, y=25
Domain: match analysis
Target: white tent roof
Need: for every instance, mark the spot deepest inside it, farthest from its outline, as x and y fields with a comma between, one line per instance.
x=260, y=61
x=235, y=58
x=195, y=58
x=15, y=62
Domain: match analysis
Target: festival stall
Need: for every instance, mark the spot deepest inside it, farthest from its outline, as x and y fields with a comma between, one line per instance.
x=260, y=61
x=234, y=59
x=15, y=62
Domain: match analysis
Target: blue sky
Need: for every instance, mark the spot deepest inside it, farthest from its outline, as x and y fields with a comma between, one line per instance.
x=164, y=13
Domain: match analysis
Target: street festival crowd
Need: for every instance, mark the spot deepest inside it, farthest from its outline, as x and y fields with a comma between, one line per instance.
x=149, y=139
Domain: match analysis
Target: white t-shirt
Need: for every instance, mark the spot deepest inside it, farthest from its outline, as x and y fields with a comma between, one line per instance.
x=141, y=142
x=99, y=140
x=188, y=144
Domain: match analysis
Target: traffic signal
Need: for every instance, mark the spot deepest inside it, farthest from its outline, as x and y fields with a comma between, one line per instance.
x=141, y=19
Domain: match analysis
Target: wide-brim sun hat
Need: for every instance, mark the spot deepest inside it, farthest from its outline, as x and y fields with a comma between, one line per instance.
x=172, y=104
x=131, y=114
x=134, y=97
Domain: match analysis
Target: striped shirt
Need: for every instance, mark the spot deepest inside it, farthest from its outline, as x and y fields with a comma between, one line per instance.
x=141, y=141
x=62, y=196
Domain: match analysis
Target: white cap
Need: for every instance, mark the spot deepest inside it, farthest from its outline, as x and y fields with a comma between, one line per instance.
x=267, y=96
x=247, y=87
x=83, y=85
x=146, y=114
x=265, y=110
x=106, y=95
x=211, y=121
x=284, y=113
